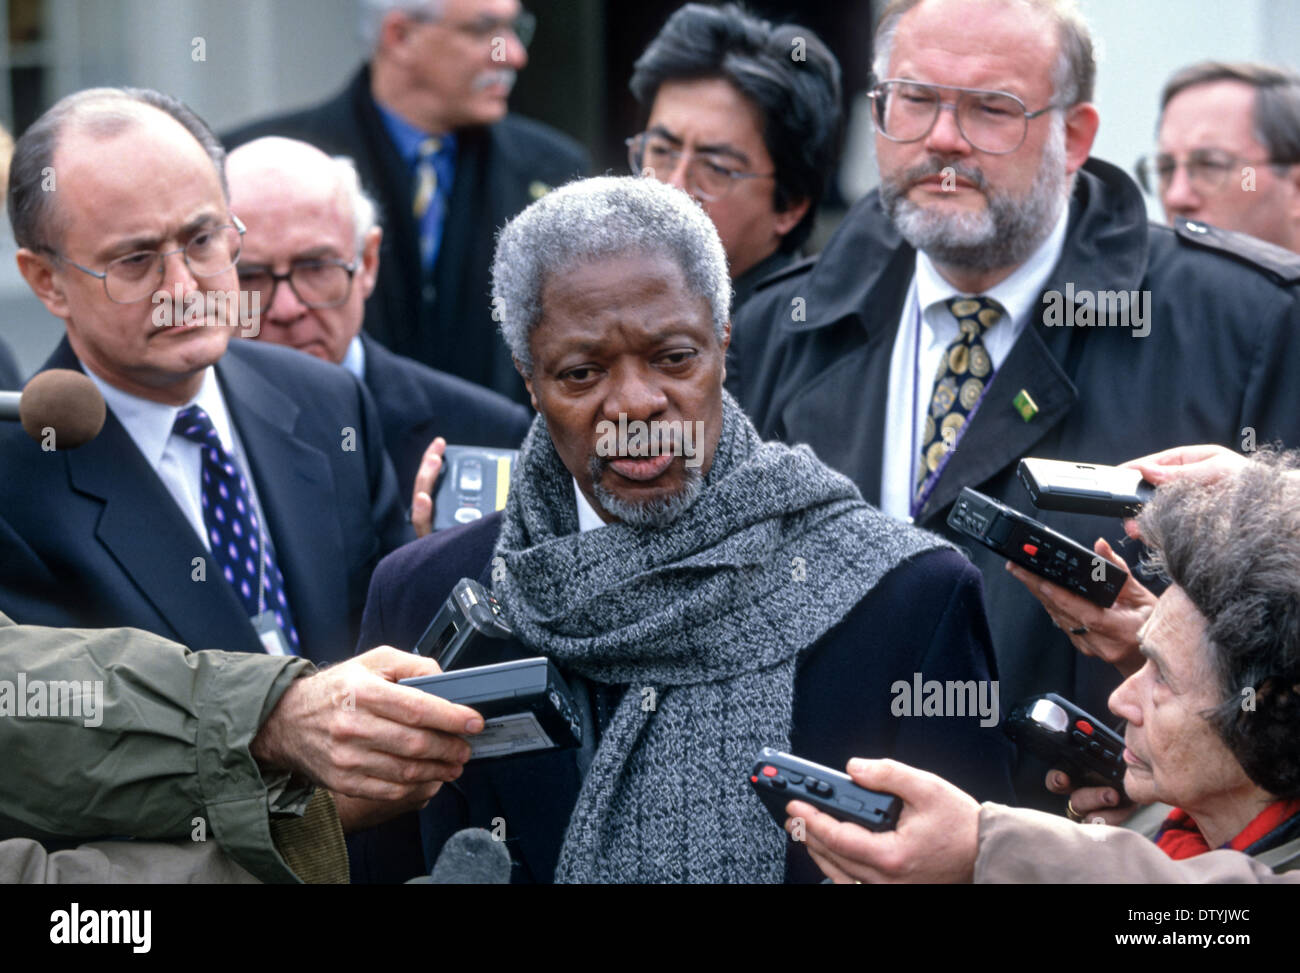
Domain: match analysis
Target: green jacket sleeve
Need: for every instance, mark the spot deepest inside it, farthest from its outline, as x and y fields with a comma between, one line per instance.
x=116, y=732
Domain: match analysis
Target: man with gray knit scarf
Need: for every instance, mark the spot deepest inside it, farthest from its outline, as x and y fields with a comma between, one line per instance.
x=705, y=594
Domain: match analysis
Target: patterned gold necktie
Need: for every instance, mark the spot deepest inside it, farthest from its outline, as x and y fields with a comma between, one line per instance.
x=425, y=186
x=426, y=177
x=964, y=373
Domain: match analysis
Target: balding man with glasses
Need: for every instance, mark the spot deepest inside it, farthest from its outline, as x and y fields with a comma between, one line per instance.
x=311, y=257
x=426, y=123
x=1003, y=295
x=239, y=495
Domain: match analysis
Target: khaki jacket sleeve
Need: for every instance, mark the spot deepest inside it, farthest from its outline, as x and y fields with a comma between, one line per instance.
x=27, y=862
x=1020, y=845
x=116, y=732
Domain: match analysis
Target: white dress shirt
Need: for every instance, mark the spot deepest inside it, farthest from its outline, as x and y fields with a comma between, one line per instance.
x=354, y=359
x=177, y=460
x=925, y=330
x=588, y=519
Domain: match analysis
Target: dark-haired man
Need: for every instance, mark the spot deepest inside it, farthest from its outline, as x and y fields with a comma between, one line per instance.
x=1229, y=150
x=745, y=116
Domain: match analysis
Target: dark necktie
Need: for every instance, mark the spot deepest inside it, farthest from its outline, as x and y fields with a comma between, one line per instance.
x=235, y=533
x=959, y=383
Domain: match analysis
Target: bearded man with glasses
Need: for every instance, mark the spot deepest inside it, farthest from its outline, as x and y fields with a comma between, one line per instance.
x=239, y=495
x=427, y=123
x=1003, y=295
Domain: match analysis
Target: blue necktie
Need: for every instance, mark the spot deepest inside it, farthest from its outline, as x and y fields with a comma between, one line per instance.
x=235, y=534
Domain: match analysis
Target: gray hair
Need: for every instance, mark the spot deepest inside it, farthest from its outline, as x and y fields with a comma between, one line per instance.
x=365, y=211
x=1276, y=117
x=102, y=112
x=373, y=12
x=1074, y=75
x=595, y=219
x=1233, y=547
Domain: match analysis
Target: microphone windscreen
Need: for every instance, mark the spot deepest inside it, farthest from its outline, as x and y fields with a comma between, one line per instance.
x=66, y=401
x=472, y=857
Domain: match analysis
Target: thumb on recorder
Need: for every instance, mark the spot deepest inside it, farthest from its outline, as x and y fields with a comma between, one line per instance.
x=937, y=838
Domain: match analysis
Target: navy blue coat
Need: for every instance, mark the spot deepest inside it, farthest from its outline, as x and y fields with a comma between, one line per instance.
x=91, y=538
x=925, y=616
x=444, y=321
x=1222, y=355
x=11, y=378
x=417, y=403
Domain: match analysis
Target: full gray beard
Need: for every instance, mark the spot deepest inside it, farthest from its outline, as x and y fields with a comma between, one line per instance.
x=655, y=512
x=1003, y=235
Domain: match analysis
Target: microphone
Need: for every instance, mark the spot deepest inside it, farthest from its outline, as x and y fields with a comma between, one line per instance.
x=470, y=857
x=59, y=399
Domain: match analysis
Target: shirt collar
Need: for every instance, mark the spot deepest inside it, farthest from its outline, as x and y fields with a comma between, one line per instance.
x=588, y=519
x=1018, y=293
x=408, y=137
x=149, y=423
x=354, y=359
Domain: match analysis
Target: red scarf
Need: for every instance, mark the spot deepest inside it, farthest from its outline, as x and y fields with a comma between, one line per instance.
x=1180, y=838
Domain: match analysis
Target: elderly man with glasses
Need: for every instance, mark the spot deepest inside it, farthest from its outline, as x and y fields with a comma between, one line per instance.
x=310, y=260
x=238, y=497
x=426, y=122
x=748, y=128
x=1229, y=150
x=1003, y=295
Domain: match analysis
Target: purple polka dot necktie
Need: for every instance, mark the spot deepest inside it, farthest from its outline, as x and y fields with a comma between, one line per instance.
x=235, y=534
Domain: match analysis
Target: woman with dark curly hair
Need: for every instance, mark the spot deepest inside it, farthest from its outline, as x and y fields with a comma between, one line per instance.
x=1213, y=720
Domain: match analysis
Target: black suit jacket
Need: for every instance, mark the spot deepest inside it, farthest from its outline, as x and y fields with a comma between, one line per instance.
x=417, y=403
x=91, y=537
x=446, y=321
x=1222, y=355
x=11, y=377
x=925, y=616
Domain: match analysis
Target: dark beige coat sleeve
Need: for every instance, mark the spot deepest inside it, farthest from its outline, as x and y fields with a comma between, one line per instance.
x=1020, y=845
x=25, y=861
x=115, y=732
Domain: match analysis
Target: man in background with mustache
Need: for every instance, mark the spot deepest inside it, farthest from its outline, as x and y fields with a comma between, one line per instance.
x=426, y=123
x=1003, y=295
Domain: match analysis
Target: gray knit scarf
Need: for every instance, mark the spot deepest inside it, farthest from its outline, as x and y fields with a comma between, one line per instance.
x=703, y=620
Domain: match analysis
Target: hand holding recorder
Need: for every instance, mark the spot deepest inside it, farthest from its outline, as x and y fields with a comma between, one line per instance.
x=936, y=840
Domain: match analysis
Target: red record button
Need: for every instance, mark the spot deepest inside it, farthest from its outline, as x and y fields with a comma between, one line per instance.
x=769, y=771
x=1084, y=725
x=1031, y=550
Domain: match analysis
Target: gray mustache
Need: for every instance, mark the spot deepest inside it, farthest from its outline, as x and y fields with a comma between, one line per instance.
x=487, y=79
